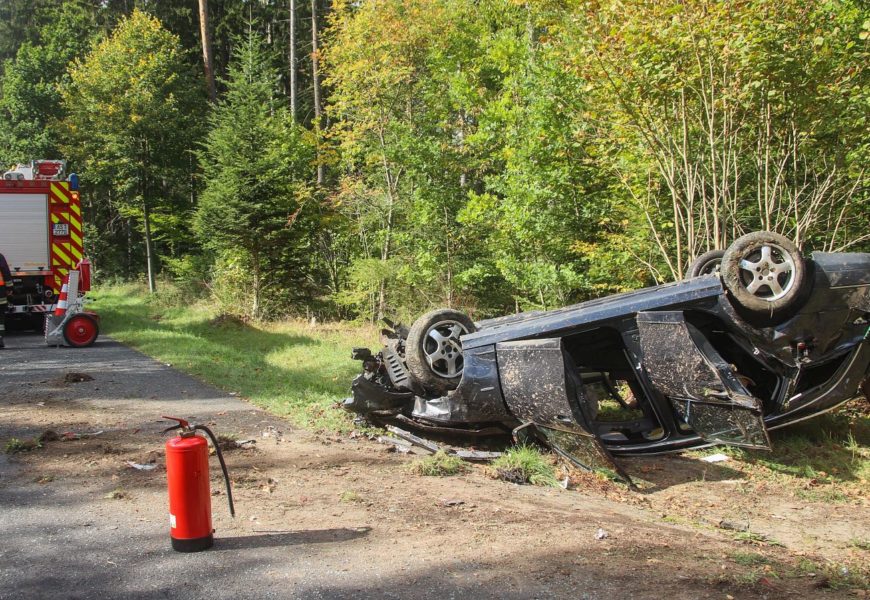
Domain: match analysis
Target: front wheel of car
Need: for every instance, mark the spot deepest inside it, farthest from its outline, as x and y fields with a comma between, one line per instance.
x=433, y=350
x=765, y=275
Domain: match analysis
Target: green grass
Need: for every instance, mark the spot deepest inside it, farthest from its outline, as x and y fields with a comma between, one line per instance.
x=289, y=367
x=525, y=464
x=749, y=559
x=439, y=464
x=825, y=459
x=349, y=496
x=834, y=575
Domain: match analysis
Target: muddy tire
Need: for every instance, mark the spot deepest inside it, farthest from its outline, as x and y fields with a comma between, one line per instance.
x=706, y=264
x=433, y=352
x=765, y=275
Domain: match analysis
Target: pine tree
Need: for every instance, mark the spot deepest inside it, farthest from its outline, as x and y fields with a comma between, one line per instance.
x=255, y=203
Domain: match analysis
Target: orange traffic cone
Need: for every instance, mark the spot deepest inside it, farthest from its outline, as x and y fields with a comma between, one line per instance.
x=60, y=309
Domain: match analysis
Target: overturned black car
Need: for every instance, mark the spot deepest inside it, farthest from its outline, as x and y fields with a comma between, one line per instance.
x=761, y=340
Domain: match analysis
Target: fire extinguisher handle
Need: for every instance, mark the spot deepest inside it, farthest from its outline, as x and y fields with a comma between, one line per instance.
x=182, y=424
x=217, y=450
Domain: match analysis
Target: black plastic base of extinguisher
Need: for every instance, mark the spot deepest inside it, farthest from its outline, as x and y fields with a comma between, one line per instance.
x=193, y=545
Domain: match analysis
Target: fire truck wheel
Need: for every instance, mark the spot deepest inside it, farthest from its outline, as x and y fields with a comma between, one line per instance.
x=81, y=331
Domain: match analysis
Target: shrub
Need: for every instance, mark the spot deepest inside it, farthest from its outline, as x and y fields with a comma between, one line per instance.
x=439, y=465
x=525, y=464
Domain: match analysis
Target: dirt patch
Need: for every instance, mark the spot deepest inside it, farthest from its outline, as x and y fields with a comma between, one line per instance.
x=76, y=378
x=302, y=481
x=344, y=496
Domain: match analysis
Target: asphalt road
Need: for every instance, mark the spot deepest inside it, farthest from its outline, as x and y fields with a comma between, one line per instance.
x=64, y=540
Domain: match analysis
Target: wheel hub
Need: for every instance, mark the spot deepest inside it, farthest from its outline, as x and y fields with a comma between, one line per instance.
x=768, y=272
x=443, y=350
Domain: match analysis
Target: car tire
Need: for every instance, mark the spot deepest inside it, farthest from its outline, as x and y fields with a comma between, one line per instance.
x=433, y=352
x=765, y=275
x=706, y=264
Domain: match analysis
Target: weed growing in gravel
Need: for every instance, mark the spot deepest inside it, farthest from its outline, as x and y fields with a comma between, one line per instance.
x=350, y=496
x=748, y=559
x=14, y=445
x=834, y=575
x=860, y=544
x=525, y=464
x=750, y=537
x=438, y=465
x=227, y=442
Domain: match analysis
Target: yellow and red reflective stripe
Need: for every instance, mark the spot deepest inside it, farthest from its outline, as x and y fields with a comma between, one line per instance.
x=65, y=208
x=58, y=251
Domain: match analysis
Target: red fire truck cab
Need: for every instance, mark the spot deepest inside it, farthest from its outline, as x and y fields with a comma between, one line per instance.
x=40, y=235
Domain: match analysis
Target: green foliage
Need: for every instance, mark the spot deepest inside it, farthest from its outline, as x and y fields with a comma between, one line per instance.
x=439, y=464
x=256, y=203
x=493, y=156
x=30, y=99
x=15, y=446
x=131, y=125
x=723, y=119
x=748, y=559
x=525, y=464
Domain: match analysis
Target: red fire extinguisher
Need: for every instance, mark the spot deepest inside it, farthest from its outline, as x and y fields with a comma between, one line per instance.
x=190, y=525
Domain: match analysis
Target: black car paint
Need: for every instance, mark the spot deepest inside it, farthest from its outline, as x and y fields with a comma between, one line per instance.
x=526, y=368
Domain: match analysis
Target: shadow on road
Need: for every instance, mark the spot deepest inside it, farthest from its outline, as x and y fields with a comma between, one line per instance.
x=291, y=538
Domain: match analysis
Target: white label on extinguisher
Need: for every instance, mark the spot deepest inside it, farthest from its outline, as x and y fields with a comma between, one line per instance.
x=171, y=521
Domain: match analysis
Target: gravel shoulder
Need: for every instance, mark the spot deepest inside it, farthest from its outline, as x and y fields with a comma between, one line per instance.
x=322, y=516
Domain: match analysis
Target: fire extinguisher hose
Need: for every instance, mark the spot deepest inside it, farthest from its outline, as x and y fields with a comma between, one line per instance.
x=217, y=450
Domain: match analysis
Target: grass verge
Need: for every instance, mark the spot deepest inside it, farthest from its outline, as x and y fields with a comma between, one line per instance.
x=826, y=459
x=289, y=367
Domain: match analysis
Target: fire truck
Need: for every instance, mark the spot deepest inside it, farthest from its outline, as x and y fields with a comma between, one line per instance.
x=41, y=238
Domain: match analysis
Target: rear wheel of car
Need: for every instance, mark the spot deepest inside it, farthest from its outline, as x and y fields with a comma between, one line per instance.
x=706, y=264
x=433, y=352
x=765, y=275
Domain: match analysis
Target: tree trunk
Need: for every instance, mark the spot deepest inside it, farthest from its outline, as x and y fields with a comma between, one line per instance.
x=315, y=76
x=146, y=217
x=255, y=310
x=293, y=100
x=207, y=60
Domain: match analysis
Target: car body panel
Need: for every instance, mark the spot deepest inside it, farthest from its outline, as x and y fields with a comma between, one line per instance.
x=702, y=387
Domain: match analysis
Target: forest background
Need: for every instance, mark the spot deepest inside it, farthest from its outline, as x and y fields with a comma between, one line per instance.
x=361, y=159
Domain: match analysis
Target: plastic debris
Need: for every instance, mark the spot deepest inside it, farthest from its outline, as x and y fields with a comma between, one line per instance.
x=715, y=458
x=601, y=534
x=140, y=467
